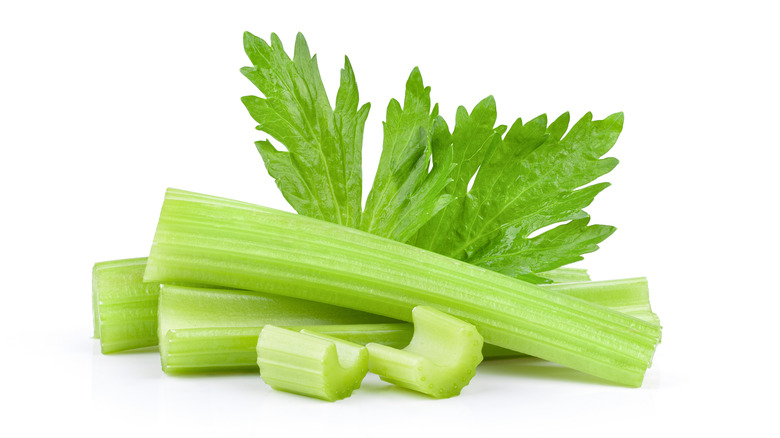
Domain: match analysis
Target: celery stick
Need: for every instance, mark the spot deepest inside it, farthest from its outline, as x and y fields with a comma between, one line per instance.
x=310, y=363
x=440, y=361
x=208, y=349
x=630, y=296
x=205, y=349
x=210, y=240
x=124, y=307
x=190, y=307
x=565, y=275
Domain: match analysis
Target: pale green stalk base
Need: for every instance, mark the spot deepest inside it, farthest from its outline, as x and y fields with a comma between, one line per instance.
x=440, y=361
x=309, y=363
x=208, y=240
x=124, y=307
x=182, y=307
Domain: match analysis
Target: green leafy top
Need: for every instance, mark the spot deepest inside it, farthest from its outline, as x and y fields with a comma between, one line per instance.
x=523, y=180
x=320, y=174
x=405, y=195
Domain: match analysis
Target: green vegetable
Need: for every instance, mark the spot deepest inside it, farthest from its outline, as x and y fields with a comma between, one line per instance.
x=210, y=240
x=565, y=275
x=531, y=178
x=440, y=361
x=124, y=308
x=187, y=307
x=202, y=349
x=208, y=349
x=405, y=194
x=320, y=175
x=310, y=363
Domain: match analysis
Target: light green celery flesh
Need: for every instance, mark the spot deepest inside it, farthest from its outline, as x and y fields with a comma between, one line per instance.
x=310, y=363
x=210, y=240
x=124, y=307
x=440, y=360
x=566, y=275
x=182, y=307
x=210, y=349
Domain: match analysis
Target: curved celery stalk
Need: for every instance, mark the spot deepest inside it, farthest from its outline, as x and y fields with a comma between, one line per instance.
x=124, y=307
x=310, y=363
x=190, y=307
x=209, y=349
x=209, y=240
x=440, y=361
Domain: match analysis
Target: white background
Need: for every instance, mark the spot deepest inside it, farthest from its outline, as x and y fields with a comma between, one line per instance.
x=105, y=104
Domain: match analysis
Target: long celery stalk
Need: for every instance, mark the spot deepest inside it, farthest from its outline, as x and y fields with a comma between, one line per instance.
x=204, y=347
x=209, y=240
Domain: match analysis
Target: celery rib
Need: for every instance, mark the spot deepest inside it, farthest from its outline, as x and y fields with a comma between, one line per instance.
x=310, y=363
x=440, y=360
x=209, y=240
x=182, y=307
x=124, y=307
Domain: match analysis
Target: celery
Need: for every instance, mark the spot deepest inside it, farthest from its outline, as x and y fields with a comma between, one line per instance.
x=310, y=363
x=124, y=308
x=565, y=275
x=208, y=349
x=210, y=240
x=233, y=348
x=189, y=307
x=440, y=361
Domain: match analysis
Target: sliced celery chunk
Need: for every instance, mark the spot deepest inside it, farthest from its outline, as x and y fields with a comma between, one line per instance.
x=209, y=240
x=124, y=307
x=310, y=363
x=440, y=361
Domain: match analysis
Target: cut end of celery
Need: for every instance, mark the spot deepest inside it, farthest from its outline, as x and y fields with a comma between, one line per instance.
x=440, y=361
x=310, y=363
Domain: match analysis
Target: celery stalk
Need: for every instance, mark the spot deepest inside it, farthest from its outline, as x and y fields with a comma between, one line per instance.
x=440, y=361
x=124, y=307
x=310, y=363
x=209, y=240
x=183, y=307
x=566, y=275
x=209, y=349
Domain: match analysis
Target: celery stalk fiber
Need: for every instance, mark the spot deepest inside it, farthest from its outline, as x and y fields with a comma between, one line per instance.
x=209, y=240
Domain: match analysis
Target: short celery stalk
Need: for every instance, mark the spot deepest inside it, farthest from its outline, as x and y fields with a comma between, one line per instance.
x=214, y=349
x=209, y=240
x=565, y=275
x=440, y=361
x=124, y=307
x=310, y=363
x=182, y=307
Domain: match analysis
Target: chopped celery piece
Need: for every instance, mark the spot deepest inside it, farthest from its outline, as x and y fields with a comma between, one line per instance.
x=208, y=349
x=210, y=240
x=310, y=363
x=565, y=275
x=190, y=307
x=124, y=307
x=440, y=361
